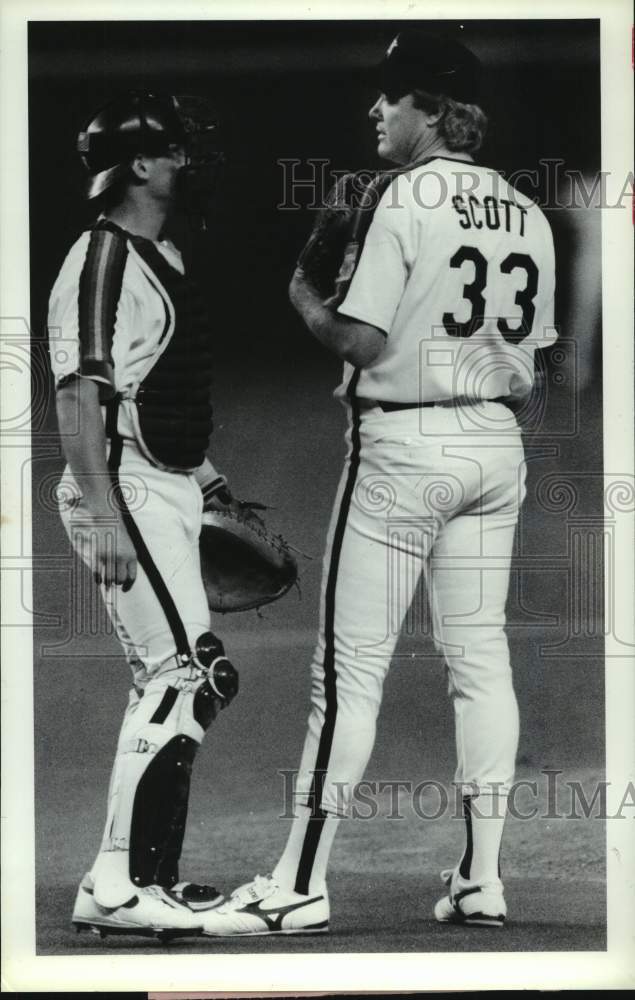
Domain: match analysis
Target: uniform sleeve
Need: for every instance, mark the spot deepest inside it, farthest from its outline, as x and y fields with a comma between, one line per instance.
x=86, y=305
x=378, y=284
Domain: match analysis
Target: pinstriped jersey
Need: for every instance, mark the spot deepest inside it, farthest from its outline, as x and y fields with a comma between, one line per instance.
x=458, y=271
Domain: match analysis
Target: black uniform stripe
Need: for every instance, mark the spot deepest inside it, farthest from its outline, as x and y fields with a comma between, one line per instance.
x=166, y=705
x=316, y=822
x=100, y=285
x=146, y=561
x=466, y=860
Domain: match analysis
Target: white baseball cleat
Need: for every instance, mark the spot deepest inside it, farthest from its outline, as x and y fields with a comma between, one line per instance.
x=262, y=907
x=149, y=911
x=476, y=904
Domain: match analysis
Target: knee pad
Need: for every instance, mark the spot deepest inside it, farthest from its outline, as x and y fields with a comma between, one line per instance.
x=220, y=686
x=222, y=676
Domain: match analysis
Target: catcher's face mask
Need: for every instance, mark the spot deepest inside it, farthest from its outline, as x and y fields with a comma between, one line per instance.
x=198, y=178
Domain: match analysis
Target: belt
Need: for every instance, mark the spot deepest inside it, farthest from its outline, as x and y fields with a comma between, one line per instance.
x=389, y=407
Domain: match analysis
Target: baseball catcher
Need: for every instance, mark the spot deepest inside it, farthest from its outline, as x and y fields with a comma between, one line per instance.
x=135, y=419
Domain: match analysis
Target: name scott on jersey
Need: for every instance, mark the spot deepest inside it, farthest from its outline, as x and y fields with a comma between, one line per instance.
x=491, y=213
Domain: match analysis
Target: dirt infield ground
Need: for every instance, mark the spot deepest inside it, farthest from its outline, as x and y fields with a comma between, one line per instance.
x=385, y=871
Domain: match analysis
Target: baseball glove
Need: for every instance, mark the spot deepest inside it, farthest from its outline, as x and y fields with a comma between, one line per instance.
x=243, y=564
x=331, y=254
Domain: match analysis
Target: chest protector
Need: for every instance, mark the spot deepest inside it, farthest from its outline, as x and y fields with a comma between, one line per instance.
x=170, y=408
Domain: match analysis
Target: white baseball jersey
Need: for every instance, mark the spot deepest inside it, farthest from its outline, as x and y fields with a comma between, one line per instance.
x=114, y=355
x=466, y=289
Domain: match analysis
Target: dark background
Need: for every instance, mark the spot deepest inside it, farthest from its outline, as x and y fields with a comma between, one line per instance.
x=286, y=90
x=300, y=90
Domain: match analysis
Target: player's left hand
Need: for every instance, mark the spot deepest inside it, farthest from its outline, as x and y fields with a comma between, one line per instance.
x=302, y=289
x=304, y=294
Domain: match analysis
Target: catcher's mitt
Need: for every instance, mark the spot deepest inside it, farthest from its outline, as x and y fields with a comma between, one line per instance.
x=243, y=565
x=332, y=252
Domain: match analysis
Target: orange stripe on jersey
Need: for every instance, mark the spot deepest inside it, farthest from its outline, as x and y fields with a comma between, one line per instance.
x=99, y=294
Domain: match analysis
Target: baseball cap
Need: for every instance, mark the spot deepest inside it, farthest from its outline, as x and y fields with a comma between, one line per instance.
x=415, y=60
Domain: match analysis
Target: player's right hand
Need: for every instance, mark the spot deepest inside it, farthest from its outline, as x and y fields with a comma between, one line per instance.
x=107, y=548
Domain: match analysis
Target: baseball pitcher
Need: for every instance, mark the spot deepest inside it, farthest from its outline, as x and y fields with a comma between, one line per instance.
x=444, y=293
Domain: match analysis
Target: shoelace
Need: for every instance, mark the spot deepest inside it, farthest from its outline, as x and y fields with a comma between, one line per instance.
x=260, y=888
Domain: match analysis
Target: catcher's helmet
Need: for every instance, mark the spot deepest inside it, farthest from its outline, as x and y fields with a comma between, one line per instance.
x=139, y=122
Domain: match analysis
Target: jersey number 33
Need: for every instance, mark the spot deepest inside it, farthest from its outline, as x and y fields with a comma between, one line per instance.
x=473, y=293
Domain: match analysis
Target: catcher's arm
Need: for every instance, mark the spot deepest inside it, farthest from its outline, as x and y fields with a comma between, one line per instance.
x=218, y=496
x=213, y=485
x=352, y=341
x=104, y=539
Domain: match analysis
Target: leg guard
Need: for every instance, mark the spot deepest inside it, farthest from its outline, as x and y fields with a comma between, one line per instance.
x=160, y=813
x=151, y=779
x=216, y=692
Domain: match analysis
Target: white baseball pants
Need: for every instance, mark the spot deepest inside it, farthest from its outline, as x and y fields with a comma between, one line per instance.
x=434, y=491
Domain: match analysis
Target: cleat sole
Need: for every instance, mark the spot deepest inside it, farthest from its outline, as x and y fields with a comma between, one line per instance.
x=105, y=929
x=315, y=929
x=474, y=921
x=485, y=921
x=166, y=936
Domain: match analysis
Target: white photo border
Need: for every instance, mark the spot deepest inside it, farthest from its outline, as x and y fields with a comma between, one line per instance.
x=22, y=968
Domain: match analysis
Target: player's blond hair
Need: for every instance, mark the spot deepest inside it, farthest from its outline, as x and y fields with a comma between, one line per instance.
x=461, y=126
